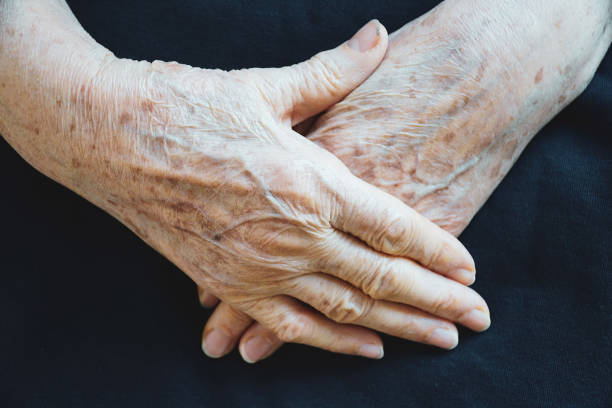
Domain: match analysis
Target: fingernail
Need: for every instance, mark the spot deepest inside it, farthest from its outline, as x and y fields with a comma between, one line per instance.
x=476, y=319
x=366, y=38
x=444, y=338
x=371, y=351
x=256, y=348
x=464, y=276
x=216, y=343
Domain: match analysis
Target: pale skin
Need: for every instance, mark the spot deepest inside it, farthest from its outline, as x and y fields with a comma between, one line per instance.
x=460, y=93
x=204, y=166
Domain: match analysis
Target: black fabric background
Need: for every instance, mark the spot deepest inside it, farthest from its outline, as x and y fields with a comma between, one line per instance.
x=90, y=316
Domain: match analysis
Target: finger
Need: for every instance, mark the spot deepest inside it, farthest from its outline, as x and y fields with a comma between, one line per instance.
x=303, y=90
x=258, y=343
x=293, y=322
x=207, y=300
x=388, y=225
x=223, y=330
x=400, y=280
x=344, y=303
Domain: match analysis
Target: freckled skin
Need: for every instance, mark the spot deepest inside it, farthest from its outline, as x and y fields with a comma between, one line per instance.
x=449, y=110
x=204, y=167
x=460, y=93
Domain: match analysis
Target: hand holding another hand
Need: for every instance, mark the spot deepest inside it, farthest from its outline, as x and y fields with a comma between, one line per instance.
x=204, y=166
x=459, y=94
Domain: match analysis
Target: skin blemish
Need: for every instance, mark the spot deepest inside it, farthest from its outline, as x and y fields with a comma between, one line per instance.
x=368, y=174
x=217, y=237
x=449, y=137
x=76, y=164
x=561, y=99
x=430, y=20
x=72, y=127
x=37, y=131
x=481, y=70
x=58, y=103
x=83, y=96
x=539, y=76
x=495, y=171
x=147, y=106
x=125, y=118
x=509, y=149
x=180, y=207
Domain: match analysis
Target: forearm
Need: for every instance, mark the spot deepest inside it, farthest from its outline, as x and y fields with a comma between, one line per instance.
x=46, y=62
x=460, y=93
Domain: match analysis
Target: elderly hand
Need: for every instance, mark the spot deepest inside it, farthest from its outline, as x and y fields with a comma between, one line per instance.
x=458, y=96
x=204, y=166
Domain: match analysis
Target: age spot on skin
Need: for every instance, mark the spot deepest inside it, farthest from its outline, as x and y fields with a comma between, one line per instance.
x=84, y=97
x=37, y=131
x=449, y=137
x=481, y=70
x=429, y=20
x=73, y=127
x=147, y=106
x=539, y=75
x=76, y=164
x=58, y=103
x=125, y=118
x=561, y=99
x=495, y=171
x=509, y=149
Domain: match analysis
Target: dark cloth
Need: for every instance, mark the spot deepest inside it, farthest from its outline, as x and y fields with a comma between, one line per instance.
x=90, y=316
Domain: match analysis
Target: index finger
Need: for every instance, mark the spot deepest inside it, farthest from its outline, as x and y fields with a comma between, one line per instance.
x=389, y=226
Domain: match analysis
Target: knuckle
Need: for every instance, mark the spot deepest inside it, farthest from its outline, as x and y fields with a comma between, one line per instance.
x=444, y=303
x=327, y=71
x=434, y=254
x=292, y=329
x=399, y=235
x=379, y=282
x=348, y=308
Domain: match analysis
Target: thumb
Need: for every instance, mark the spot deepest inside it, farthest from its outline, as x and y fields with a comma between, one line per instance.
x=300, y=91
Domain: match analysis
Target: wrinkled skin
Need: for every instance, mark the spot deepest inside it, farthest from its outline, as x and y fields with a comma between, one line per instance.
x=203, y=166
x=460, y=93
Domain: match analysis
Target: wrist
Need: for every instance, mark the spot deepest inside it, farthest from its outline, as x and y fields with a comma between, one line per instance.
x=46, y=62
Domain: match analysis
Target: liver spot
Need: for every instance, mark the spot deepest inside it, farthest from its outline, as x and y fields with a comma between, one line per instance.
x=539, y=75
x=125, y=118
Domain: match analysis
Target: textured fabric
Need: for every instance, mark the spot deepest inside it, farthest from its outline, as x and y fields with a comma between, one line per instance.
x=91, y=316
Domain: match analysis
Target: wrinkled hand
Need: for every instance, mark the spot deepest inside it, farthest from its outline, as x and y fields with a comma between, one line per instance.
x=460, y=93
x=204, y=166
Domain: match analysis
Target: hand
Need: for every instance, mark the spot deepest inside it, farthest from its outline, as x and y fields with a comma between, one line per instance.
x=203, y=165
x=460, y=93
